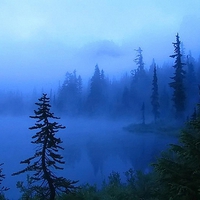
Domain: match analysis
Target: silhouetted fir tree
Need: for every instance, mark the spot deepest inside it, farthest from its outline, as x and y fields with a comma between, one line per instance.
x=178, y=80
x=139, y=72
x=93, y=100
x=140, y=64
x=96, y=97
x=134, y=90
x=154, y=97
x=104, y=88
x=134, y=75
x=139, y=81
x=151, y=68
x=46, y=160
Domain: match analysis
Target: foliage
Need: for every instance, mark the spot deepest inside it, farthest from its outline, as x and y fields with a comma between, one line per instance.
x=160, y=128
x=139, y=81
x=191, y=82
x=121, y=97
x=97, y=92
x=176, y=175
x=69, y=94
x=140, y=72
x=3, y=188
x=178, y=80
x=137, y=186
x=46, y=157
x=30, y=190
x=179, y=168
x=154, y=97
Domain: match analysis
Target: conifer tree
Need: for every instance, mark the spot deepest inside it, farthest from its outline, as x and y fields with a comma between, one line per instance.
x=154, y=97
x=139, y=62
x=191, y=83
x=79, y=85
x=46, y=160
x=151, y=68
x=96, y=97
x=3, y=188
x=178, y=80
x=139, y=81
x=70, y=93
x=179, y=168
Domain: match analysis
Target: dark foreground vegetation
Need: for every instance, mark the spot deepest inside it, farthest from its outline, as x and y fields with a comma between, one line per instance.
x=175, y=175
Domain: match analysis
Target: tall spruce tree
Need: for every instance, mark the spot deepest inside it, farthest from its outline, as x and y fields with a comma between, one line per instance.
x=46, y=158
x=96, y=97
x=139, y=62
x=177, y=84
x=139, y=81
x=154, y=97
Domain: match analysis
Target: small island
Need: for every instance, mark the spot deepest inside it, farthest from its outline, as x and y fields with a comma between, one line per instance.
x=160, y=128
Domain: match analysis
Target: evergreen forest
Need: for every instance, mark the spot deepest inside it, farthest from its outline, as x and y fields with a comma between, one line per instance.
x=167, y=91
x=162, y=100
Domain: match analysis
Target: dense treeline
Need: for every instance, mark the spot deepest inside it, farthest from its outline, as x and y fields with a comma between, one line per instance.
x=163, y=91
x=157, y=93
x=175, y=174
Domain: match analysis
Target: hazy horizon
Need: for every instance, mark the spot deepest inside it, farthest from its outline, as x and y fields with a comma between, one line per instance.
x=41, y=41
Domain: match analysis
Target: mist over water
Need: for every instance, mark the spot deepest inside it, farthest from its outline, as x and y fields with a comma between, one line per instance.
x=93, y=148
x=83, y=54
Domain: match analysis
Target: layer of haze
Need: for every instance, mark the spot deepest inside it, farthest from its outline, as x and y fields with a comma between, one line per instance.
x=41, y=40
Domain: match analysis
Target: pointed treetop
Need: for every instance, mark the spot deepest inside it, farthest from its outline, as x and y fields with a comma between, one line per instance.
x=139, y=50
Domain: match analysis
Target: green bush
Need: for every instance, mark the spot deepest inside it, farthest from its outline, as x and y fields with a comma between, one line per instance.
x=137, y=186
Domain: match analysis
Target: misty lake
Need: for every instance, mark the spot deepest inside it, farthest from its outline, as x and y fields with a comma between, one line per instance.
x=93, y=149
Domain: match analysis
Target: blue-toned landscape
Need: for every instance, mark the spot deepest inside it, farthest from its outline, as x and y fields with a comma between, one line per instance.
x=99, y=100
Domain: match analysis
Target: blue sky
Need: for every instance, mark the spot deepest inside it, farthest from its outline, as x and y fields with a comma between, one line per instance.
x=41, y=40
x=78, y=22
